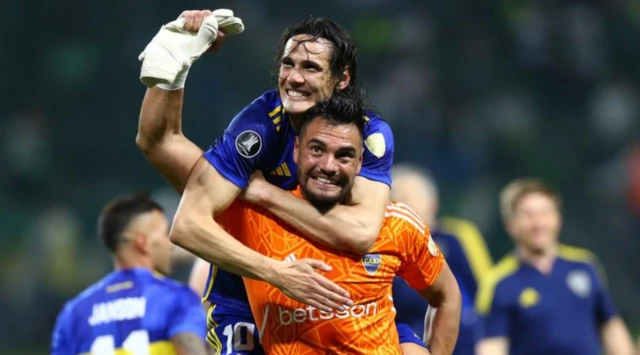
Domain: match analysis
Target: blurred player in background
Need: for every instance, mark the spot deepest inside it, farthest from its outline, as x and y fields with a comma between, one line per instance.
x=134, y=309
x=328, y=153
x=316, y=58
x=545, y=298
x=466, y=253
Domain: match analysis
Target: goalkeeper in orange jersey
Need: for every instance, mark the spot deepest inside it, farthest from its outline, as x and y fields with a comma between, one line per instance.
x=328, y=153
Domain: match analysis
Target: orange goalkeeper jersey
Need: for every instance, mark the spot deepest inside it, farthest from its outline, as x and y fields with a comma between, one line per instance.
x=404, y=248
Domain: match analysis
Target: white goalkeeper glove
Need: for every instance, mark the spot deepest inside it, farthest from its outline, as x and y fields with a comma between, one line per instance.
x=167, y=58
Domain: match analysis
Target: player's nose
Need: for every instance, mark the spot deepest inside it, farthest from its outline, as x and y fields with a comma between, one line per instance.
x=328, y=165
x=295, y=76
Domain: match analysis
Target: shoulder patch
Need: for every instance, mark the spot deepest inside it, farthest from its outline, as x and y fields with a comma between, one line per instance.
x=433, y=250
x=376, y=144
x=248, y=144
x=579, y=283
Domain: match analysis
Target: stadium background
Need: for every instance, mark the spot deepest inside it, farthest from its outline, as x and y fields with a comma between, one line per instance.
x=479, y=92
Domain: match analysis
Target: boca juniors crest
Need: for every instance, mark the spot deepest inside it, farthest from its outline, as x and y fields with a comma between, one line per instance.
x=371, y=263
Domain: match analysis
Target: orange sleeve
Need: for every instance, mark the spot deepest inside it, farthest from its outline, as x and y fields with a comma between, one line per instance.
x=422, y=260
x=231, y=219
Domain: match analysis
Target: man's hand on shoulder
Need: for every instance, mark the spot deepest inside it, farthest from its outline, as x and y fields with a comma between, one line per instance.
x=257, y=189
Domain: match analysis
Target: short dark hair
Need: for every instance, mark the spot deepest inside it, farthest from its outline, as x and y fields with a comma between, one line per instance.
x=344, y=53
x=340, y=109
x=118, y=213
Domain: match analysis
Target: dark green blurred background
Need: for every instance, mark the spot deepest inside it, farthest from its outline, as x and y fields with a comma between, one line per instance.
x=480, y=92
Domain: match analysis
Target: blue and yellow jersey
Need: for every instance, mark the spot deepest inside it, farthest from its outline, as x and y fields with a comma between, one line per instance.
x=261, y=137
x=468, y=257
x=130, y=311
x=558, y=313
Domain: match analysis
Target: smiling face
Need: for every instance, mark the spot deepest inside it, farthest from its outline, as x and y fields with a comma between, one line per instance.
x=535, y=222
x=305, y=74
x=329, y=156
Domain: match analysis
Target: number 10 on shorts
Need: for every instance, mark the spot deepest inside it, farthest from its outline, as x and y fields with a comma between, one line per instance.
x=239, y=337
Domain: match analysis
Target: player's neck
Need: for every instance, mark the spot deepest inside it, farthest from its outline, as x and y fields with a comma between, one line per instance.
x=540, y=260
x=124, y=262
x=296, y=121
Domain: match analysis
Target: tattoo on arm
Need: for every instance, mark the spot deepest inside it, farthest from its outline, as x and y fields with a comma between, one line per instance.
x=189, y=344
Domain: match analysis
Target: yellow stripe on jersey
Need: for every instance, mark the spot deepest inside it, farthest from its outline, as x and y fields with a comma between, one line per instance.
x=213, y=272
x=275, y=111
x=282, y=170
x=286, y=169
x=212, y=337
x=572, y=253
x=276, y=122
x=211, y=323
x=366, y=119
x=472, y=242
x=503, y=269
x=156, y=348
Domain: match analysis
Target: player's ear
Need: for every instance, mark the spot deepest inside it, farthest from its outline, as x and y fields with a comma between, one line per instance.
x=141, y=243
x=360, y=159
x=345, y=78
x=296, y=150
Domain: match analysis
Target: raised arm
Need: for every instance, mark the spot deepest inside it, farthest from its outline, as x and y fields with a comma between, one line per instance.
x=160, y=136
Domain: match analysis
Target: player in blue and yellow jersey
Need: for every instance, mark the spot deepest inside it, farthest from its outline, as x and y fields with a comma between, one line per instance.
x=461, y=244
x=134, y=309
x=316, y=59
x=545, y=298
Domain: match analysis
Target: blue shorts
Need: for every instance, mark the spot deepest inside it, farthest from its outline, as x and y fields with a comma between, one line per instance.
x=232, y=332
x=407, y=335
